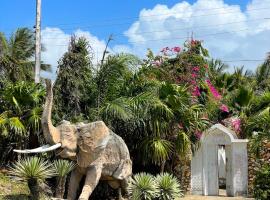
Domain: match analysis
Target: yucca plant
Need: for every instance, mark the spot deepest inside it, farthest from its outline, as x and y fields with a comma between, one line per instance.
x=62, y=168
x=142, y=187
x=168, y=187
x=34, y=170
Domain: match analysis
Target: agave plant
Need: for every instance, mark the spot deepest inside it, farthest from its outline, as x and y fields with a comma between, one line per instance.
x=62, y=168
x=35, y=171
x=142, y=187
x=168, y=187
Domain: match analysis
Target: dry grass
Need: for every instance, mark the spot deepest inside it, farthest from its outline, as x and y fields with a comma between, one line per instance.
x=11, y=189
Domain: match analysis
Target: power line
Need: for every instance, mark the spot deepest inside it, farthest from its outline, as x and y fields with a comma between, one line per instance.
x=185, y=28
x=168, y=14
x=108, y=25
x=178, y=38
x=119, y=24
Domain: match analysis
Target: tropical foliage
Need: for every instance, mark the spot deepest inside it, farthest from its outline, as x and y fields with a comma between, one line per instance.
x=160, y=105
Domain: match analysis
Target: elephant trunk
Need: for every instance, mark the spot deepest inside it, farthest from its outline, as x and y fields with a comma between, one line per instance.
x=51, y=133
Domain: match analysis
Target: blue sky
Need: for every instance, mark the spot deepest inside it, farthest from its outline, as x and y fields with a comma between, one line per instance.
x=244, y=19
x=80, y=13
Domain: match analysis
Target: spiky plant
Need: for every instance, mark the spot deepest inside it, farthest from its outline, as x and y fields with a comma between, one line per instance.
x=142, y=187
x=62, y=168
x=34, y=170
x=168, y=187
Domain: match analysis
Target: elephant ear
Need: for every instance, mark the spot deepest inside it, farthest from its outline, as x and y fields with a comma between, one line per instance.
x=92, y=141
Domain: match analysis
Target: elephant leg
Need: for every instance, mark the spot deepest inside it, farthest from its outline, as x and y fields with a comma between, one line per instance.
x=74, y=183
x=92, y=178
x=124, y=185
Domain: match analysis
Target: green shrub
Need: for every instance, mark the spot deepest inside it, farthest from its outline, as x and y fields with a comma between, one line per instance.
x=262, y=183
x=35, y=171
x=147, y=187
x=168, y=187
x=143, y=187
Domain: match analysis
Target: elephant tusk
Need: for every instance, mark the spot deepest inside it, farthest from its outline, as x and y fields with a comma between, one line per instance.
x=41, y=149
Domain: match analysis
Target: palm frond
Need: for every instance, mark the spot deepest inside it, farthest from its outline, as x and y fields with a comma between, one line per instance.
x=156, y=150
x=142, y=187
x=119, y=109
x=32, y=168
x=168, y=186
x=63, y=167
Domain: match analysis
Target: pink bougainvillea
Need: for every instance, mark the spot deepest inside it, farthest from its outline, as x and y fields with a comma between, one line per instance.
x=213, y=90
x=176, y=49
x=198, y=134
x=167, y=51
x=196, y=69
x=224, y=108
x=157, y=63
x=236, y=124
x=196, y=91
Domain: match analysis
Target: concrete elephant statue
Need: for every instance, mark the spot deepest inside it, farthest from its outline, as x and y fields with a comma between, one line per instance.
x=100, y=154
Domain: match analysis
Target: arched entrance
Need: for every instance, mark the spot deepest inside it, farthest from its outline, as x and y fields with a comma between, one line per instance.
x=206, y=167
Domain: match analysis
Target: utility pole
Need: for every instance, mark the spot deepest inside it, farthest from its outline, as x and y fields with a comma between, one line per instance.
x=38, y=42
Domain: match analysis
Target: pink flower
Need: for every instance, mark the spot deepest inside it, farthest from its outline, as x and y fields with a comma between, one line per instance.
x=196, y=91
x=236, y=123
x=176, y=49
x=213, y=90
x=224, y=108
x=194, y=75
x=195, y=69
x=157, y=63
x=198, y=134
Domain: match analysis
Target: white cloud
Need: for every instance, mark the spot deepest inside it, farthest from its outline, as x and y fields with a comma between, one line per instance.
x=163, y=26
x=170, y=26
x=56, y=43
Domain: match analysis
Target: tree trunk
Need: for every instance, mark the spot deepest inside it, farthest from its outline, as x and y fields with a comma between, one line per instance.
x=162, y=167
x=60, y=189
x=34, y=189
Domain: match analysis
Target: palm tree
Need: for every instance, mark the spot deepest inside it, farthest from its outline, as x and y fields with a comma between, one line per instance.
x=16, y=55
x=263, y=74
x=62, y=168
x=34, y=170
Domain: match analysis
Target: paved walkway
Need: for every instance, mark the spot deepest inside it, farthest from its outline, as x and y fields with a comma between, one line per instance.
x=194, y=197
x=221, y=197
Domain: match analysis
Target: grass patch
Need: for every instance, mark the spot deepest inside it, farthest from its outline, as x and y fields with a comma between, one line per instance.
x=11, y=189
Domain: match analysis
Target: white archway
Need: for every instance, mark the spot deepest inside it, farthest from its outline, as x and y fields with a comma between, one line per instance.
x=204, y=163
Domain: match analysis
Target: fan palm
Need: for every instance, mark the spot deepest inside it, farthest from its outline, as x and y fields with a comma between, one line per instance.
x=142, y=187
x=34, y=170
x=168, y=187
x=21, y=114
x=62, y=168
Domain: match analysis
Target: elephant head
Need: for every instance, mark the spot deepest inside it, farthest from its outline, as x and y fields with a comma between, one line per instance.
x=70, y=140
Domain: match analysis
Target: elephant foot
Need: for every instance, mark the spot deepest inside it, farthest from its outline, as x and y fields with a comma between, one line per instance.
x=120, y=194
